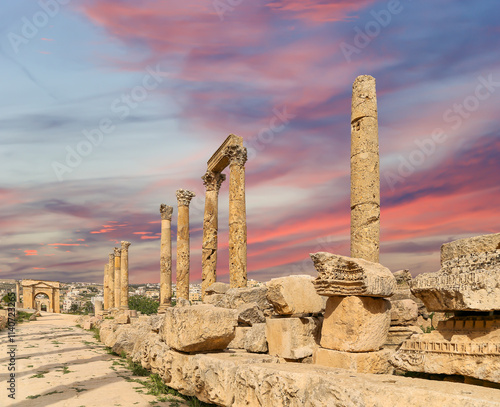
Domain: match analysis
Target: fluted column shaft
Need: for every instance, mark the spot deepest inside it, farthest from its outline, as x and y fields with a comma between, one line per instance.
x=111, y=281
x=365, y=173
x=183, y=251
x=212, y=182
x=165, y=258
x=124, y=275
x=118, y=279
x=237, y=217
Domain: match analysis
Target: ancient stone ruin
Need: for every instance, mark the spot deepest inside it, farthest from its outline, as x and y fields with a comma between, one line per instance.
x=468, y=288
x=333, y=340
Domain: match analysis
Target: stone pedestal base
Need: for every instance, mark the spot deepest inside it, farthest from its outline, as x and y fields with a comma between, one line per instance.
x=360, y=362
x=355, y=324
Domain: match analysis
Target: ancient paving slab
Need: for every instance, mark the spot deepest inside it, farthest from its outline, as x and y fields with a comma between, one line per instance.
x=199, y=328
x=468, y=282
x=355, y=324
x=292, y=338
x=61, y=365
x=341, y=275
x=468, y=346
x=294, y=295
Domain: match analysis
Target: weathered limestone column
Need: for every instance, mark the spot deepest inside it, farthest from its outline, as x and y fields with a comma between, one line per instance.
x=124, y=275
x=183, y=199
x=165, y=258
x=111, y=281
x=237, y=217
x=212, y=182
x=105, y=287
x=18, y=300
x=118, y=285
x=97, y=307
x=365, y=173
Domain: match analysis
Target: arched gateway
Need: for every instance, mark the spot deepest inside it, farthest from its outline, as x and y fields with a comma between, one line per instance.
x=32, y=299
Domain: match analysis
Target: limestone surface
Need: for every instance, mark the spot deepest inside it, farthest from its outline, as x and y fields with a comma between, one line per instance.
x=355, y=324
x=468, y=282
x=294, y=295
x=250, y=314
x=341, y=275
x=255, y=339
x=292, y=338
x=237, y=296
x=404, y=312
x=238, y=342
x=199, y=328
x=217, y=288
x=470, y=246
x=360, y=362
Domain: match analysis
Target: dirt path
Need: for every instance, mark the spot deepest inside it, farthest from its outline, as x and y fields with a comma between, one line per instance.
x=59, y=364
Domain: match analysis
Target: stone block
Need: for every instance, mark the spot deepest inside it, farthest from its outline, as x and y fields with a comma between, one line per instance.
x=199, y=328
x=255, y=339
x=122, y=317
x=355, y=324
x=250, y=314
x=88, y=325
x=294, y=295
x=341, y=275
x=470, y=246
x=239, y=337
x=404, y=312
x=292, y=338
x=217, y=288
x=398, y=334
x=362, y=362
x=214, y=299
x=237, y=296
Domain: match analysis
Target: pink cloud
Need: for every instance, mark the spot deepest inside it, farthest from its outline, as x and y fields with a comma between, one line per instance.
x=31, y=253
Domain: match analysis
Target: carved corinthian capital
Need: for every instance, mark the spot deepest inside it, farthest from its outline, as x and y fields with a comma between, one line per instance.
x=166, y=212
x=125, y=245
x=236, y=154
x=213, y=180
x=118, y=252
x=111, y=256
x=184, y=197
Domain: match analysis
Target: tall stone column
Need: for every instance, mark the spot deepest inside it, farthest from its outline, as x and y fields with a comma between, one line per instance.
x=118, y=285
x=165, y=258
x=183, y=199
x=365, y=173
x=111, y=281
x=212, y=182
x=18, y=299
x=124, y=275
x=237, y=217
x=105, y=287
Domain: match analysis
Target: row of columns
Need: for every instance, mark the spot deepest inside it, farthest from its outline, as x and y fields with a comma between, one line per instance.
x=116, y=278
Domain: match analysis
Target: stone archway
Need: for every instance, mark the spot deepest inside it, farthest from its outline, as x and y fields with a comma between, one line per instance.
x=32, y=298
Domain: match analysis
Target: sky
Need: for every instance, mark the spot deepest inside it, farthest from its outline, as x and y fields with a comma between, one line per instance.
x=107, y=107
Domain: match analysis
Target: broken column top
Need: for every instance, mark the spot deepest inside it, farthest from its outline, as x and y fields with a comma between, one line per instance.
x=364, y=97
x=166, y=212
x=184, y=197
x=343, y=276
x=469, y=279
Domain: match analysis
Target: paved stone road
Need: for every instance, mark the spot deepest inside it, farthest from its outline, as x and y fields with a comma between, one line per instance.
x=59, y=364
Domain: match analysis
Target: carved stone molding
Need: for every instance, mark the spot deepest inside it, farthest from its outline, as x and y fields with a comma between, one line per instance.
x=166, y=212
x=184, y=197
x=213, y=180
x=118, y=252
x=236, y=155
x=111, y=256
x=125, y=245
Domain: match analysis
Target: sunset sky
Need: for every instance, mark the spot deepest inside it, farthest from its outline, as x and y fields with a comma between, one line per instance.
x=108, y=107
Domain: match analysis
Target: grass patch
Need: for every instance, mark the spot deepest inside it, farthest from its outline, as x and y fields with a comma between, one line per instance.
x=39, y=375
x=33, y=397
x=53, y=392
x=97, y=335
x=29, y=366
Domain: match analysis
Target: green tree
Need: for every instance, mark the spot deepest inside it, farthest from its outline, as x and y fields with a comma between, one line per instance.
x=88, y=308
x=143, y=304
x=74, y=307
